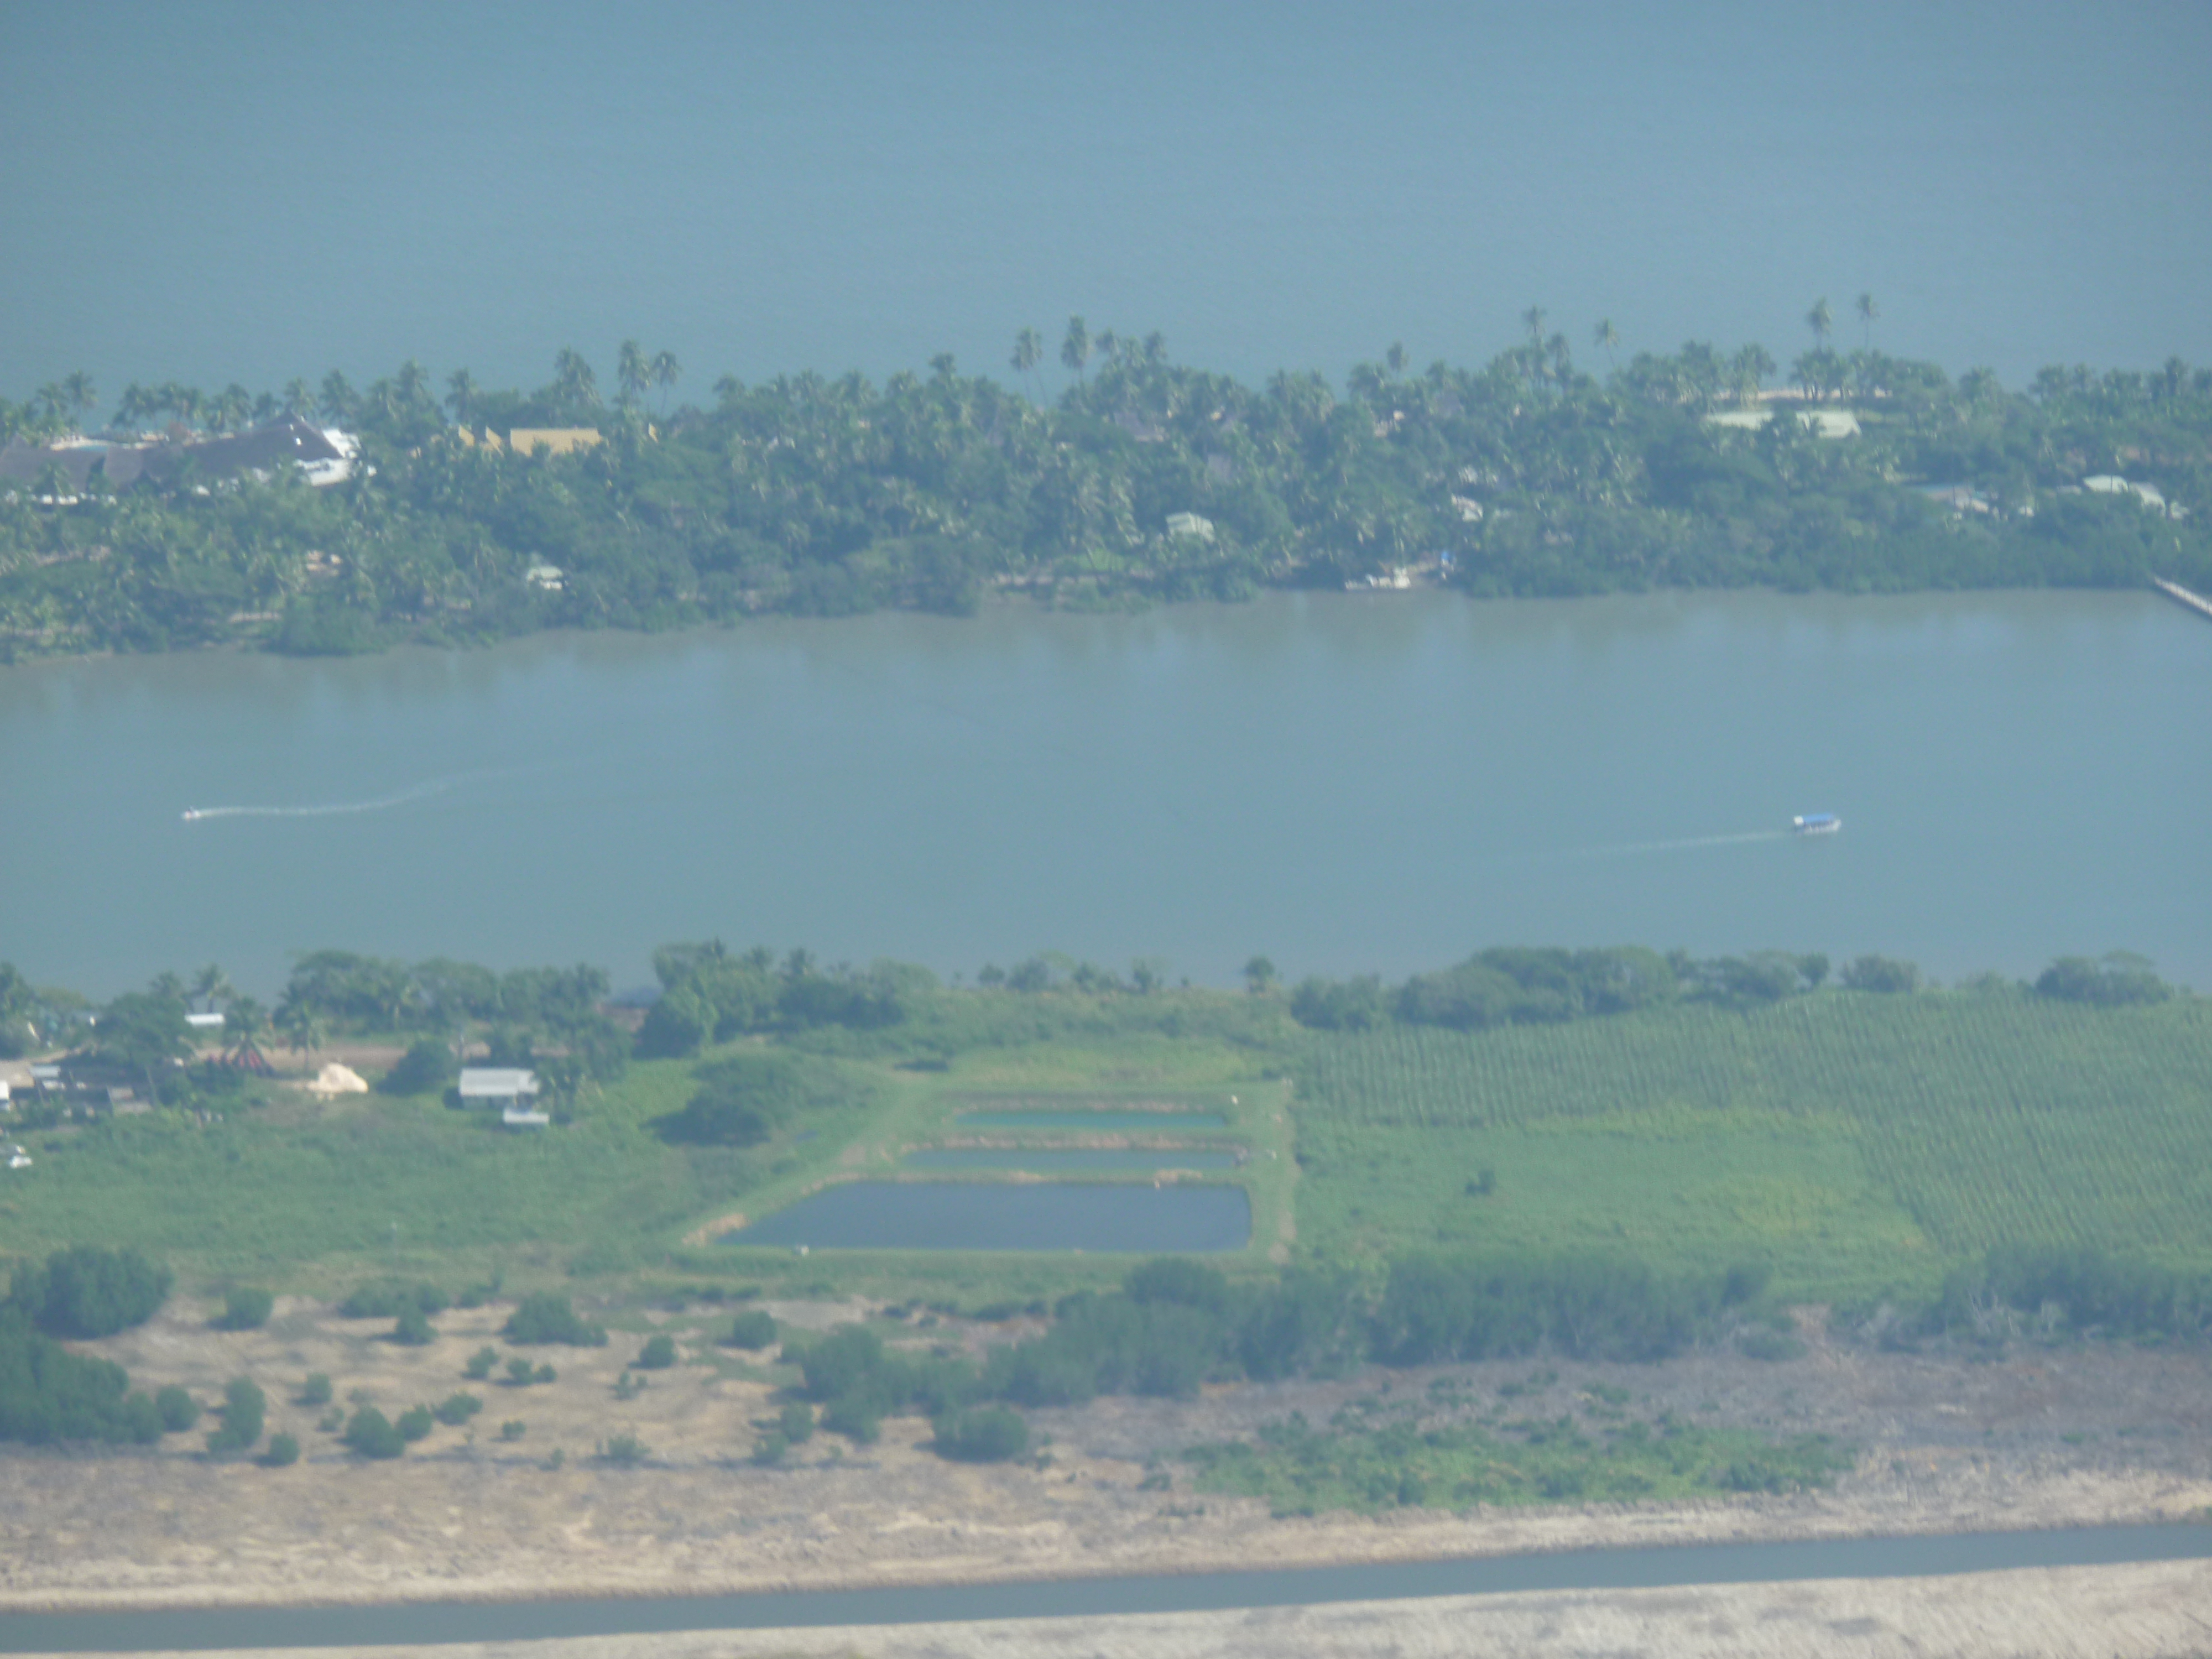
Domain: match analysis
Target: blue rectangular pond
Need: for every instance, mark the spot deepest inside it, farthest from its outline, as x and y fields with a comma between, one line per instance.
x=1101, y=1123
x=954, y=1215
x=1070, y=1158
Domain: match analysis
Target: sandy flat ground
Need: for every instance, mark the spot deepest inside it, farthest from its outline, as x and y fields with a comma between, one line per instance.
x=2147, y=1612
x=2038, y=1438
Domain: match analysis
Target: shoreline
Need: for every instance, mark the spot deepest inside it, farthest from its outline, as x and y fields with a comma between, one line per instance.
x=1246, y=1542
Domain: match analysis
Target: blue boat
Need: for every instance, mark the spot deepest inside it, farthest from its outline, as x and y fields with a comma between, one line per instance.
x=1817, y=823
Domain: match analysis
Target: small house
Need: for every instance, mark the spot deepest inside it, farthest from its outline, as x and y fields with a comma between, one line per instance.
x=1192, y=525
x=512, y=1089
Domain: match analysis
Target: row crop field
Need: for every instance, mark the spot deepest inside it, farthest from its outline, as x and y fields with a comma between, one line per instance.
x=1853, y=1140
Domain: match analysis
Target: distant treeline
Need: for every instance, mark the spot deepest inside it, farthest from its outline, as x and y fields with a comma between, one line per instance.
x=1143, y=479
x=560, y=1020
x=1547, y=985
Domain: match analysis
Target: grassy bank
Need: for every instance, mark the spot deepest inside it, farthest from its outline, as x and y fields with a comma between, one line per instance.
x=1853, y=1141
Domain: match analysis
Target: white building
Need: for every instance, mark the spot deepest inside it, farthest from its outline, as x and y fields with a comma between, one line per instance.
x=512, y=1089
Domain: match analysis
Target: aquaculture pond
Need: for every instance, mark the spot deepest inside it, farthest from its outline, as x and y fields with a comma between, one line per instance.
x=954, y=1215
x=1070, y=1158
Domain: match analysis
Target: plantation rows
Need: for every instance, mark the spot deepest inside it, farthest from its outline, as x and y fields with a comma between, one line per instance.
x=1991, y=1118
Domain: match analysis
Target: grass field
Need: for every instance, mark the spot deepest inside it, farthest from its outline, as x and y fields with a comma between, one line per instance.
x=1854, y=1141
x=313, y=1195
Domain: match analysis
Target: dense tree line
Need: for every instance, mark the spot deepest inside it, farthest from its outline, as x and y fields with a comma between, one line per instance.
x=1176, y=1323
x=1545, y=984
x=86, y=1291
x=2050, y=1288
x=48, y=1393
x=807, y=495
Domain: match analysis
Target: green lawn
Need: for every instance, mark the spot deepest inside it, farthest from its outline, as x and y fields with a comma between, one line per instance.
x=1852, y=1140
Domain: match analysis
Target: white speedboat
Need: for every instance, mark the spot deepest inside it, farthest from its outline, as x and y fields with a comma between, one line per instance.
x=1817, y=823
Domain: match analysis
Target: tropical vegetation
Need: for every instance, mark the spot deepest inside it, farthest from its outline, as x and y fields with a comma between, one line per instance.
x=1142, y=480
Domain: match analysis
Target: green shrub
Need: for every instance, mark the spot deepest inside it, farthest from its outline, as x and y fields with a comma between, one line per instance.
x=512, y=1429
x=178, y=1410
x=283, y=1452
x=658, y=1354
x=316, y=1390
x=2119, y=980
x=768, y=1450
x=796, y=1423
x=48, y=1394
x=480, y=1364
x=86, y=1291
x=245, y=1309
x=412, y=1329
x=414, y=1423
x=426, y=1067
x=839, y=1362
x=754, y=1329
x=983, y=1434
x=1885, y=975
x=625, y=1451
x=243, y=1405
x=457, y=1408
x=745, y=1099
x=545, y=1317
x=371, y=1434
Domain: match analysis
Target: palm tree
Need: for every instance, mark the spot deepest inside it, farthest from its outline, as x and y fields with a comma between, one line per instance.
x=1606, y=336
x=1532, y=321
x=1029, y=350
x=574, y=383
x=1075, y=346
x=461, y=393
x=236, y=404
x=210, y=986
x=631, y=373
x=412, y=383
x=665, y=372
x=1395, y=359
x=299, y=398
x=1869, y=313
x=338, y=401
x=77, y=393
x=1821, y=321
x=302, y=1026
x=1751, y=366
x=244, y=1022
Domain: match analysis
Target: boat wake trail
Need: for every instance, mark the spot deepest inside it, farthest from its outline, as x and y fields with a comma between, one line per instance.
x=1683, y=846
x=341, y=809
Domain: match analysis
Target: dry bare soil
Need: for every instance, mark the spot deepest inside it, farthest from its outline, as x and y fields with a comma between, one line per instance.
x=2039, y=1437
